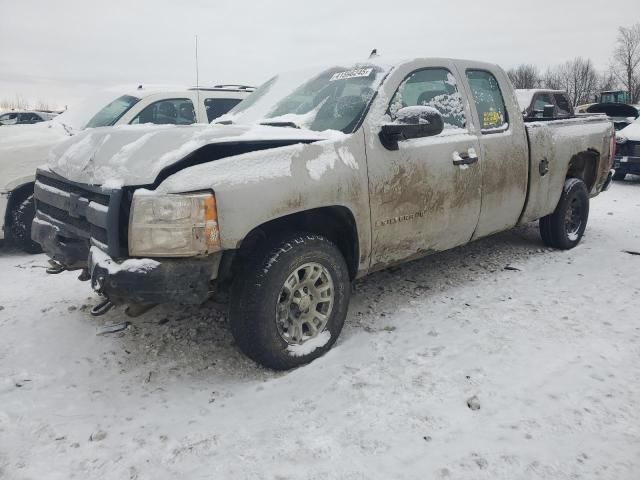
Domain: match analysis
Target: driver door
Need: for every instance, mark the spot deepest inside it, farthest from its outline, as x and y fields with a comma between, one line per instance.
x=424, y=196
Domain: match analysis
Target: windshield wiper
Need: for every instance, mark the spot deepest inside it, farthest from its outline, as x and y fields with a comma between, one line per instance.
x=281, y=124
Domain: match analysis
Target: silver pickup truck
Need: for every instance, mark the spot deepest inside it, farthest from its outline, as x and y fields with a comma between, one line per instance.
x=317, y=178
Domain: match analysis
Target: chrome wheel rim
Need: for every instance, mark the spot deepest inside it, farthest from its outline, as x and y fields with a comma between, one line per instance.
x=573, y=219
x=305, y=303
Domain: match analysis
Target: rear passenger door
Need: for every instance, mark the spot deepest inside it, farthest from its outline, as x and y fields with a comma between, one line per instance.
x=503, y=147
x=217, y=107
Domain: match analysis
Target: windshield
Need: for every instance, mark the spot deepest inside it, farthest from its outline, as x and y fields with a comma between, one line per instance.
x=335, y=98
x=614, y=97
x=111, y=113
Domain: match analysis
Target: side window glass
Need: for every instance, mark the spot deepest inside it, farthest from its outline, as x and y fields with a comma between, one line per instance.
x=563, y=104
x=489, y=101
x=9, y=118
x=219, y=106
x=175, y=111
x=432, y=87
x=539, y=104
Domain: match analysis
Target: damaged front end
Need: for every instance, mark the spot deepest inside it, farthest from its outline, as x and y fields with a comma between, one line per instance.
x=84, y=227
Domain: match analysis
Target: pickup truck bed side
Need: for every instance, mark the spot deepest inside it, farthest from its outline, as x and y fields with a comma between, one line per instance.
x=578, y=147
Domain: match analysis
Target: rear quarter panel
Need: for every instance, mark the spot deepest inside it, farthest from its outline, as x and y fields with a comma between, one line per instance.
x=558, y=142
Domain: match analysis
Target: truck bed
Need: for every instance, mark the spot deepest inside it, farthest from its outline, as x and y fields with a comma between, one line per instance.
x=580, y=145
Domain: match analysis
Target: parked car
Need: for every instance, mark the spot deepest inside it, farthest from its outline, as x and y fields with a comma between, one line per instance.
x=620, y=114
x=25, y=117
x=627, y=151
x=23, y=148
x=543, y=104
x=316, y=179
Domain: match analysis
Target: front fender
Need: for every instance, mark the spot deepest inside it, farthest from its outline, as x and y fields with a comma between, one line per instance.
x=258, y=187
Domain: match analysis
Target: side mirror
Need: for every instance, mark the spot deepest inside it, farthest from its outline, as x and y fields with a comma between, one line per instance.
x=411, y=122
x=549, y=111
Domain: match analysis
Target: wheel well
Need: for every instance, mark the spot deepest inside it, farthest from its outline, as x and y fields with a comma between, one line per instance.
x=584, y=165
x=17, y=196
x=335, y=223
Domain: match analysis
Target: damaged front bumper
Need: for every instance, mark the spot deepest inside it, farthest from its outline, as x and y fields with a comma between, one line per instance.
x=147, y=281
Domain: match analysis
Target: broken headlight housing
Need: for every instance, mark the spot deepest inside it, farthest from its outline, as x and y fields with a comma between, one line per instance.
x=173, y=225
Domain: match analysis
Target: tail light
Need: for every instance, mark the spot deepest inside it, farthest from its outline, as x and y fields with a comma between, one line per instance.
x=612, y=151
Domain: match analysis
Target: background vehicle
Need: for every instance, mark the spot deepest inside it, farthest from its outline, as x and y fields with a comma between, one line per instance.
x=543, y=104
x=317, y=178
x=627, y=151
x=25, y=117
x=23, y=148
x=613, y=96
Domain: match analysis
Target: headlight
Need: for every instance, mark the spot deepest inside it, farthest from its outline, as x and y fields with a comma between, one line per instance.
x=173, y=225
x=620, y=139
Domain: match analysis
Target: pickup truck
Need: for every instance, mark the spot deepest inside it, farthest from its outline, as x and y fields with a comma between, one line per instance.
x=24, y=147
x=317, y=178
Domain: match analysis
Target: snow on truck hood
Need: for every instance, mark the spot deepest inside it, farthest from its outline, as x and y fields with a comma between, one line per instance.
x=136, y=154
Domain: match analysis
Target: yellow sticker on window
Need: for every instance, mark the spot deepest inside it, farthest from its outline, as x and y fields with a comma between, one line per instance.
x=491, y=119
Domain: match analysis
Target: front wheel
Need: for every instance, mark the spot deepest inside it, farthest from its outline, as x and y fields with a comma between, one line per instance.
x=20, y=225
x=564, y=228
x=289, y=301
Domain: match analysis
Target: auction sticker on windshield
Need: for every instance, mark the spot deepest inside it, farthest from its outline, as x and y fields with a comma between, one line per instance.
x=358, y=72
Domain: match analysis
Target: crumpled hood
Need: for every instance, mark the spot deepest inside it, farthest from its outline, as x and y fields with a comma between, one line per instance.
x=136, y=154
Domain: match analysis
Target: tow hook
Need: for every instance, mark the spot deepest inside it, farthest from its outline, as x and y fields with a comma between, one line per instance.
x=55, y=268
x=102, y=308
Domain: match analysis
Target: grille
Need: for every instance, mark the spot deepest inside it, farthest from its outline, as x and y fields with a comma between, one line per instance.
x=85, y=212
x=635, y=149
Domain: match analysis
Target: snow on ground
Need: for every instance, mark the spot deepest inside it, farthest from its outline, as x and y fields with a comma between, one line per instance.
x=550, y=351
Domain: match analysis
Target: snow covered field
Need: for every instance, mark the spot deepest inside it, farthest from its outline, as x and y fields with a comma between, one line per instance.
x=550, y=349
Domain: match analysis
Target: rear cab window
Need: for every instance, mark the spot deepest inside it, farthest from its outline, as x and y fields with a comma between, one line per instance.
x=487, y=96
x=562, y=102
x=432, y=87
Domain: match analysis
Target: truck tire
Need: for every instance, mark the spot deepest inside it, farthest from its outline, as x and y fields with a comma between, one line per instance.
x=619, y=175
x=564, y=228
x=21, y=218
x=289, y=301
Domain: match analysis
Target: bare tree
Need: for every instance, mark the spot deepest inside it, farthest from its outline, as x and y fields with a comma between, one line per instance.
x=578, y=77
x=42, y=105
x=607, y=81
x=525, y=76
x=626, y=60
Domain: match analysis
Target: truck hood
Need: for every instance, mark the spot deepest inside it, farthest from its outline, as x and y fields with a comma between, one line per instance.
x=132, y=155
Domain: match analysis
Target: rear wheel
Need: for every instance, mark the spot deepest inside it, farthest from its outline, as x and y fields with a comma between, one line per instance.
x=289, y=301
x=619, y=175
x=21, y=218
x=564, y=228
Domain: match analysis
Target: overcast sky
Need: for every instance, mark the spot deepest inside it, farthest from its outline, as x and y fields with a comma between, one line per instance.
x=60, y=51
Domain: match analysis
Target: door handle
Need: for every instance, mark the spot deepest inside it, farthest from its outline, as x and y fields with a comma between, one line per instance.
x=465, y=158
